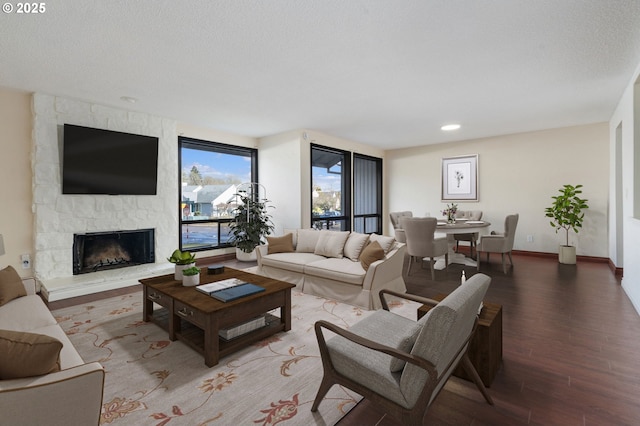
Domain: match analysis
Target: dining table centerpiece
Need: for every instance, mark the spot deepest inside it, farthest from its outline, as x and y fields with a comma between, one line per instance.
x=450, y=212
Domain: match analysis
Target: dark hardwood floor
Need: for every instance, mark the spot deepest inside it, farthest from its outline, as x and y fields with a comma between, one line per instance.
x=571, y=346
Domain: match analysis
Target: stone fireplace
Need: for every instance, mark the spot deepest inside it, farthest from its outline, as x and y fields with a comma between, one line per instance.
x=99, y=251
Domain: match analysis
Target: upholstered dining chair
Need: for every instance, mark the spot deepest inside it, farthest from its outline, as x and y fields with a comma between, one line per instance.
x=421, y=241
x=397, y=227
x=499, y=242
x=472, y=237
x=399, y=364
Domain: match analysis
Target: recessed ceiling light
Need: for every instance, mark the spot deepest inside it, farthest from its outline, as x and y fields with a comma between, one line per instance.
x=128, y=99
x=450, y=127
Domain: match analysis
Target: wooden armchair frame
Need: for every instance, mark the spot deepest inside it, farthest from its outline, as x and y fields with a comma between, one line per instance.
x=414, y=415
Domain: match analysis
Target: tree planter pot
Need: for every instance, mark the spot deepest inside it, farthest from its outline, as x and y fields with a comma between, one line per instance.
x=190, y=280
x=246, y=257
x=567, y=255
x=177, y=275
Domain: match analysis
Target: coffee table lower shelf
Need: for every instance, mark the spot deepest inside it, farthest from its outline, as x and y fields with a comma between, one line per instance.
x=193, y=336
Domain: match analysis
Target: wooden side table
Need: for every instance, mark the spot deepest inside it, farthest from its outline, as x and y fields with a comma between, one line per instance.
x=485, y=347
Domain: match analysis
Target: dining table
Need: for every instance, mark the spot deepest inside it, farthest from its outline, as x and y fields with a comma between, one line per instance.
x=460, y=226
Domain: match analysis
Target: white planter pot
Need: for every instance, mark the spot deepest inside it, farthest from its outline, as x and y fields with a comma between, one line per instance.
x=177, y=275
x=190, y=280
x=246, y=257
x=567, y=255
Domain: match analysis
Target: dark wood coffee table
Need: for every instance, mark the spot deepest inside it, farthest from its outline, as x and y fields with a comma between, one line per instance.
x=196, y=318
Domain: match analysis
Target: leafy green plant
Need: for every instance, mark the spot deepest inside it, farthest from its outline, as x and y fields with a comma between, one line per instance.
x=181, y=257
x=251, y=222
x=191, y=271
x=567, y=210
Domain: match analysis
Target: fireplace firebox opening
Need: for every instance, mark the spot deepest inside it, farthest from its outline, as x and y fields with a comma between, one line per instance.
x=97, y=251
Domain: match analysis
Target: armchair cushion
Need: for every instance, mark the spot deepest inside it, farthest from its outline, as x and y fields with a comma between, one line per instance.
x=28, y=354
x=283, y=244
x=10, y=285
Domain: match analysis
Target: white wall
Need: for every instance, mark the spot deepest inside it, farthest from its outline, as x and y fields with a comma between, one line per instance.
x=58, y=216
x=627, y=114
x=517, y=174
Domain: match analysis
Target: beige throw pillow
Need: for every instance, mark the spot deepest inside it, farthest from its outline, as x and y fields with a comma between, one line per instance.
x=370, y=254
x=10, y=285
x=283, y=244
x=28, y=354
x=307, y=240
x=331, y=243
x=385, y=242
x=354, y=245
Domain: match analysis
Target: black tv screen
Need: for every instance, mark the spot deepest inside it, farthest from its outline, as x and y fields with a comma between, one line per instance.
x=96, y=161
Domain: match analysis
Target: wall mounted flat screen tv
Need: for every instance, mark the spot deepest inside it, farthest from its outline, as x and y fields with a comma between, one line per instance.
x=97, y=161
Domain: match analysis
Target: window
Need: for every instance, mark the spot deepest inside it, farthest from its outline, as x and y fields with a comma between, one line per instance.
x=210, y=173
x=367, y=194
x=330, y=188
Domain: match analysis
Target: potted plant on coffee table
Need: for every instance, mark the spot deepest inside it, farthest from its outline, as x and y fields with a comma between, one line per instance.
x=191, y=276
x=182, y=260
x=251, y=223
x=567, y=213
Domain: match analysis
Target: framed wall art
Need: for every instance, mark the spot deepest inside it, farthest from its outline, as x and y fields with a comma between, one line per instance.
x=460, y=178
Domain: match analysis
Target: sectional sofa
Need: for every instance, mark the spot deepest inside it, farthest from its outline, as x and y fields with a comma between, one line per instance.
x=347, y=266
x=43, y=379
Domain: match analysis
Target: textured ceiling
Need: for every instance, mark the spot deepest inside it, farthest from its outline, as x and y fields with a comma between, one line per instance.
x=385, y=73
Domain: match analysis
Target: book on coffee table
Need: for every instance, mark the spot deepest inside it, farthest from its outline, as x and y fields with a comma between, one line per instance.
x=236, y=292
x=219, y=285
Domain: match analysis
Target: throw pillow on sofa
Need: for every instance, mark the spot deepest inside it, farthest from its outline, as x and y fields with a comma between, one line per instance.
x=370, y=254
x=283, y=244
x=28, y=354
x=385, y=242
x=10, y=285
x=331, y=243
x=307, y=240
x=354, y=245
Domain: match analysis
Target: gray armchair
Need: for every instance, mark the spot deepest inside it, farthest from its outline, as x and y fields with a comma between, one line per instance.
x=399, y=364
x=472, y=238
x=397, y=227
x=421, y=241
x=499, y=242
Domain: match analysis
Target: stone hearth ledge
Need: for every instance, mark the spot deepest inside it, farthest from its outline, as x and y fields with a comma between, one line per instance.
x=95, y=282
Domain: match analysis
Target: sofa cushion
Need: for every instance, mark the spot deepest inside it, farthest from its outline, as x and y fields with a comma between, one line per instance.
x=294, y=262
x=354, y=245
x=10, y=285
x=370, y=254
x=13, y=316
x=283, y=244
x=340, y=270
x=331, y=243
x=28, y=354
x=385, y=242
x=307, y=240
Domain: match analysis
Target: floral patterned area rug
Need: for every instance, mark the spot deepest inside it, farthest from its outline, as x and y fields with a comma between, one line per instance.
x=153, y=381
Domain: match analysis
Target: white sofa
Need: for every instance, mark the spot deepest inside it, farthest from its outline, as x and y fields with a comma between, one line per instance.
x=71, y=396
x=328, y=264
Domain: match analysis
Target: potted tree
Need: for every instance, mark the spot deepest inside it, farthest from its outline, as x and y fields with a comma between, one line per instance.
x=251, y=223
x=182, y=260
x=567, y=213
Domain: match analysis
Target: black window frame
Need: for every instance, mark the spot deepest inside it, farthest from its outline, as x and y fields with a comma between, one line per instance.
x=193, y=143
x=372, y=217
x=329, y=222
